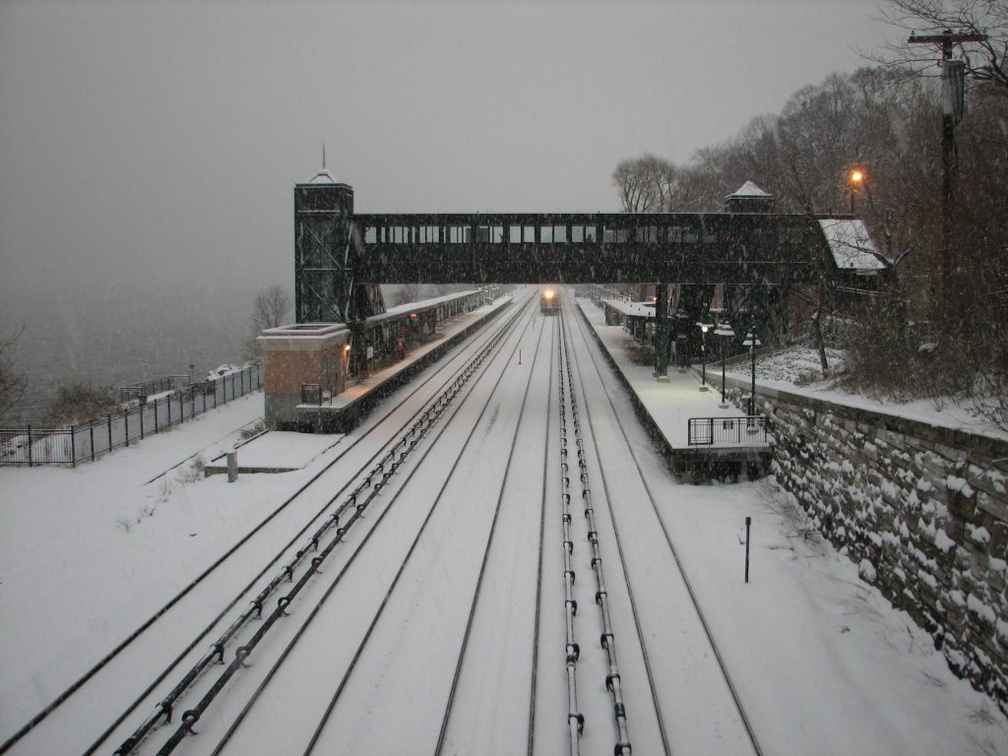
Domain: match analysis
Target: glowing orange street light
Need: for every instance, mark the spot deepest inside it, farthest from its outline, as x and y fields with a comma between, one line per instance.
x=856, y=178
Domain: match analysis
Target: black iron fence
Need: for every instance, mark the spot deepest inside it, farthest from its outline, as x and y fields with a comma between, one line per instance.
x=154, y=387
x=27, y=446
x=749, y=430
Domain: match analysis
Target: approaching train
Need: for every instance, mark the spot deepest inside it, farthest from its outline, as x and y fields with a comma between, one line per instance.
x=549, y=302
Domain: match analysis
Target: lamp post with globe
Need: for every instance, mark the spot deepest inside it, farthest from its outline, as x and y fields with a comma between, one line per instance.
x=704, y=325
x=752, y=341
x=724, y=330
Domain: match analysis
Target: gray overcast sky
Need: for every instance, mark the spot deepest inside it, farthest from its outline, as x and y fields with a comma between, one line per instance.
x=160, y=141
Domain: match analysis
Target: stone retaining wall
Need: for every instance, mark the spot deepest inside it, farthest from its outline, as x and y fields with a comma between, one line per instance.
x=922, y=510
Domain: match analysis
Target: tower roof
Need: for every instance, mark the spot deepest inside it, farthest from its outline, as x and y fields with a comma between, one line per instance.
x=749, y=189
x=322, y=177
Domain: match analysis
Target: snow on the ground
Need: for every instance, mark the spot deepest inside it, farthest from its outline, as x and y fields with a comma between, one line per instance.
x=87, y=554
x=797, y=370
x=282, y=450
x=807, y=635
x=823, y=662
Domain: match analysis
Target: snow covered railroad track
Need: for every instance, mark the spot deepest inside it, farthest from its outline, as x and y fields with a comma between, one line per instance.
x=335, y=530
x=569, y=407
x=679, y=694
x=150, y=656
x=314, y=646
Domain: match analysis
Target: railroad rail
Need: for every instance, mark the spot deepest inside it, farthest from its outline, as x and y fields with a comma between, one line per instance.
x=416, y=603
x=354, y=505
x=620, y=515
x=118, y=655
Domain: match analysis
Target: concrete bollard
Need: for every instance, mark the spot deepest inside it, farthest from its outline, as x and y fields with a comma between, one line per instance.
x=232, y=466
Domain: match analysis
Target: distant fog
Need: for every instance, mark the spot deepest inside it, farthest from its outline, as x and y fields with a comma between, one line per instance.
x=117, y=337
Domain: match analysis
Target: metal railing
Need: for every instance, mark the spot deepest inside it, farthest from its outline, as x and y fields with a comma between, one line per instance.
x=156, y=386
x=311, y=393
x=749, y=430
x=26, y=446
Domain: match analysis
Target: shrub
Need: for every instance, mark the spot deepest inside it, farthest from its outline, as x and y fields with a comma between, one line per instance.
x=81, y=403
x=252, y=430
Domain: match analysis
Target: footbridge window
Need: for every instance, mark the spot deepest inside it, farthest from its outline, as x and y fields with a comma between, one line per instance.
x=615, y=235
x=490, y=234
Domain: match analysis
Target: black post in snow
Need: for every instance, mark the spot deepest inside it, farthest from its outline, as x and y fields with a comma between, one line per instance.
x=748, y=522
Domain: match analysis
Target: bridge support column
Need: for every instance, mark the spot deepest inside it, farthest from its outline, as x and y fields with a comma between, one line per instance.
x=662, y=332
x=360, y=364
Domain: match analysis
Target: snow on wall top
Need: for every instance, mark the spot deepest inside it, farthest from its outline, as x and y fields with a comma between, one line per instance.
x=311, y=330
x=852, y=247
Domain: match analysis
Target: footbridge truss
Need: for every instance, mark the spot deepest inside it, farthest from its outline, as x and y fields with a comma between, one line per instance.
x=673, y=248
x=342, y=257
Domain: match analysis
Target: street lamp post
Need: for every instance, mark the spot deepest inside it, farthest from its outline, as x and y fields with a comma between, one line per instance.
x=856, y=177
x=704, y=326
x=752, y=341
x=681, y=317
x=724, y=329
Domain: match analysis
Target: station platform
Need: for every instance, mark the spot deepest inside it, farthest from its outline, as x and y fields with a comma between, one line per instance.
x=273, y=452
x=665, y=408
x=344, y=411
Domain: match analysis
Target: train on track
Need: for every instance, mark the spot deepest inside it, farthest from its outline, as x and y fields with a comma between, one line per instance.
x=549, y=301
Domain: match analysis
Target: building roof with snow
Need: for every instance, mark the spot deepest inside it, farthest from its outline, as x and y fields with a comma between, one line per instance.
x=749, y=189
x=749, y=198
x=851, y=245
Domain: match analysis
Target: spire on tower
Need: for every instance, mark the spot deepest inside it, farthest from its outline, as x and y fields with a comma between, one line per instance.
x=323, y=176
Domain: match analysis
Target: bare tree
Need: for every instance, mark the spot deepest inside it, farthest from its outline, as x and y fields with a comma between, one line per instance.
x=12, y=383
x=270, y=310
x=886, y=121
x=81, y=403
x=647, y=184
x=986, y=60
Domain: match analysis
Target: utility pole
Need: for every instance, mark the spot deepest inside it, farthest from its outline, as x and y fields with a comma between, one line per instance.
x=953, y=102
